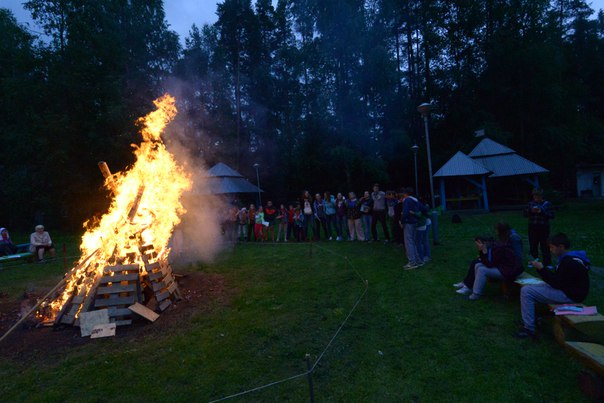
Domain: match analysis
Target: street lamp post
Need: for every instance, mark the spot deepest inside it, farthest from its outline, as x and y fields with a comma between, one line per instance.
x=424, y=110
x=256, y=165
x=415, y=148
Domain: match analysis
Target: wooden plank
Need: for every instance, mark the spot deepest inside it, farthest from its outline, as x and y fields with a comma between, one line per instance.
x=118, y=278
x=144, y=312
x=152, y=266
x=159, y=274
x=88, y=320
x=103, y=330
x=120, y=268
x=116, y=288
x=115, y=312
x=162, y=295
x=158, y=286
x=124, y=322
x=591, y=354
x=172, y=288
x=103, y=302
x=165, y=304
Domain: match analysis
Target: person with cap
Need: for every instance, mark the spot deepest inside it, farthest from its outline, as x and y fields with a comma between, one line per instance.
x=7, y=247
x=539, y=213
x=40, y=242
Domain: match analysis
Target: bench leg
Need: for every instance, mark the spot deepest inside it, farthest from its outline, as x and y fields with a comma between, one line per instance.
x=591, y=385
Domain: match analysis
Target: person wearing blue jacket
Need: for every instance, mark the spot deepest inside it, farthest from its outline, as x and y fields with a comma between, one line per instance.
x=567, y=283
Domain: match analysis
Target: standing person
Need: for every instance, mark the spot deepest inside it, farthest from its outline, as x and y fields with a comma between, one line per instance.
x=378, y=213
x=500, y=262
x=270, y=215
x=423, y=223
x=397, y=236
x=251, y=220
x=243, y=220
x=353, y=214
x=539, y=213
x=259, y=224
x=40, y=242
x=306, y=207
x=366, y=207
x=291, y=224
x=568, y=283
x=341, y=225
x=7, y=247
x=299, y=218
x=330, y=213
x=408, y=224
x=282, y=223
x=320, y=217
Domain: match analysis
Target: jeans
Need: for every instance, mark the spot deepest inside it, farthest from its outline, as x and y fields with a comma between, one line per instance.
x=423, y=246
x=379, y=215
x=482, y=274
x=537, y=235
x=410, y=244
x=341, y=226
x=330, y=220
x=543, y=293
x=366, y=225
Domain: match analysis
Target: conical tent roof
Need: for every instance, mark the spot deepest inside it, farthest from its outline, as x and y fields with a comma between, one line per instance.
x=488, y=147
x=503, y=161
x=223, y=179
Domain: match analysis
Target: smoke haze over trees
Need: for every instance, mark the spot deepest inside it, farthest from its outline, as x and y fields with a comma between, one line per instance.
x=321, y=94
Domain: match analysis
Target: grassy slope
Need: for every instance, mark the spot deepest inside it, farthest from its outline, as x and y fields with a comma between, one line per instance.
x=411, y=338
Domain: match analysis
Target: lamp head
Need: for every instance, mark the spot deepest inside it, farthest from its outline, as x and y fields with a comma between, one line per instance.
x=424, y=109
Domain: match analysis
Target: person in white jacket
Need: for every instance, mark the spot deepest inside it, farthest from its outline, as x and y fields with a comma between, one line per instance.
x=40, y=242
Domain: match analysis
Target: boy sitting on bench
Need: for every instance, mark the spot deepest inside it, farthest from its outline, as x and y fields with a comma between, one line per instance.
x=567, y=283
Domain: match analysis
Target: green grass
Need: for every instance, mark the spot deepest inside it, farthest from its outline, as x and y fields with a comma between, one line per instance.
x=411, y=338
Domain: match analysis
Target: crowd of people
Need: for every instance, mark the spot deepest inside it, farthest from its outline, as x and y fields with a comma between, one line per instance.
x=402, y=218
x=500, y=258
x=39, y=243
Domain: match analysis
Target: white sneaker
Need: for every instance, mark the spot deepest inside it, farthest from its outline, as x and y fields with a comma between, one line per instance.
x=330, y=238
x=461, y=284
x=464, y=291
x=409, y=266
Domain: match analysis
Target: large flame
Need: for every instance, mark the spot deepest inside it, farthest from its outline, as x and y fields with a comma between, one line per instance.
x=145, y=209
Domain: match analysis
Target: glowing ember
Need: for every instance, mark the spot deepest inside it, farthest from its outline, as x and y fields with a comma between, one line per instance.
x=145, y=208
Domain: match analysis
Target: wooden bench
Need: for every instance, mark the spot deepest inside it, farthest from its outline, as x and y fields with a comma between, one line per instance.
x=588, y=328
x=23, y=253
x=592, y=356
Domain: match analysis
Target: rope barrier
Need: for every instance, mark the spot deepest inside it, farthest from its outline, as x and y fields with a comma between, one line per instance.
x=322, y=354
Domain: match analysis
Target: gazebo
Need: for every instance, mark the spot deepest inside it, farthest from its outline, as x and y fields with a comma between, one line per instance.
x=488, y=160
x=223, y=179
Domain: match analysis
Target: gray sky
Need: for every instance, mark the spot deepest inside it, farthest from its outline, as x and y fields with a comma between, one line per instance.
x=181, y=14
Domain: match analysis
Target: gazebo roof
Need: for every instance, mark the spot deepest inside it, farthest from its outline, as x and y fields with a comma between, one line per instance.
x=509, y=165
x=224, y=179
x=461, y=165
x=488, y=147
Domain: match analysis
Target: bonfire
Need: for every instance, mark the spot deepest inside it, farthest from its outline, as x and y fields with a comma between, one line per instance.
x=124, y=253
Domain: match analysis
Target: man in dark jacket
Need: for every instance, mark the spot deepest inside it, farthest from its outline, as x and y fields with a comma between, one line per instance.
x=567, y=283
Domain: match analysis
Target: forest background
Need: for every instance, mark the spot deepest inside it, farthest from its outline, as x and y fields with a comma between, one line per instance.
x=322, y=94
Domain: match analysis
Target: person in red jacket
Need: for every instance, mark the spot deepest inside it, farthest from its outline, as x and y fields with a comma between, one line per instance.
x=498, y=261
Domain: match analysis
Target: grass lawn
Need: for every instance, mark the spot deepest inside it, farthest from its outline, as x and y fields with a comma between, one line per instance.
x=410, y=338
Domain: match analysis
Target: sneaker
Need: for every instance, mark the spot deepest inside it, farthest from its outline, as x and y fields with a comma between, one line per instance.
x=331, y=238
x=524, y=333
x=464, y=291
x=427, y=259
x=420, y=263
x=409, y=266
x=459, y=285
x=339, y=238
x=474, y=297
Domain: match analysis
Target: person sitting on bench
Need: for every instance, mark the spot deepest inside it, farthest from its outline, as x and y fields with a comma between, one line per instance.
x=7, y=247
x=497, y=259
x=567, y=283
x=40, y=242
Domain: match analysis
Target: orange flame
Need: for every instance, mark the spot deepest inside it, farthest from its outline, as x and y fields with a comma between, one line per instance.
x=145, y=209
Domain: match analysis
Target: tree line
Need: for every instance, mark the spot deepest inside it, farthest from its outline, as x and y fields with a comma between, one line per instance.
x=319, y=93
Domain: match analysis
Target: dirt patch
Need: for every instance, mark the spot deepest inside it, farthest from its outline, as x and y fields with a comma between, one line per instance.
x=201, y=292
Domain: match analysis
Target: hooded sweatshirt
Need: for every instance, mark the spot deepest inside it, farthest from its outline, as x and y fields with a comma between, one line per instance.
x=571, y=275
